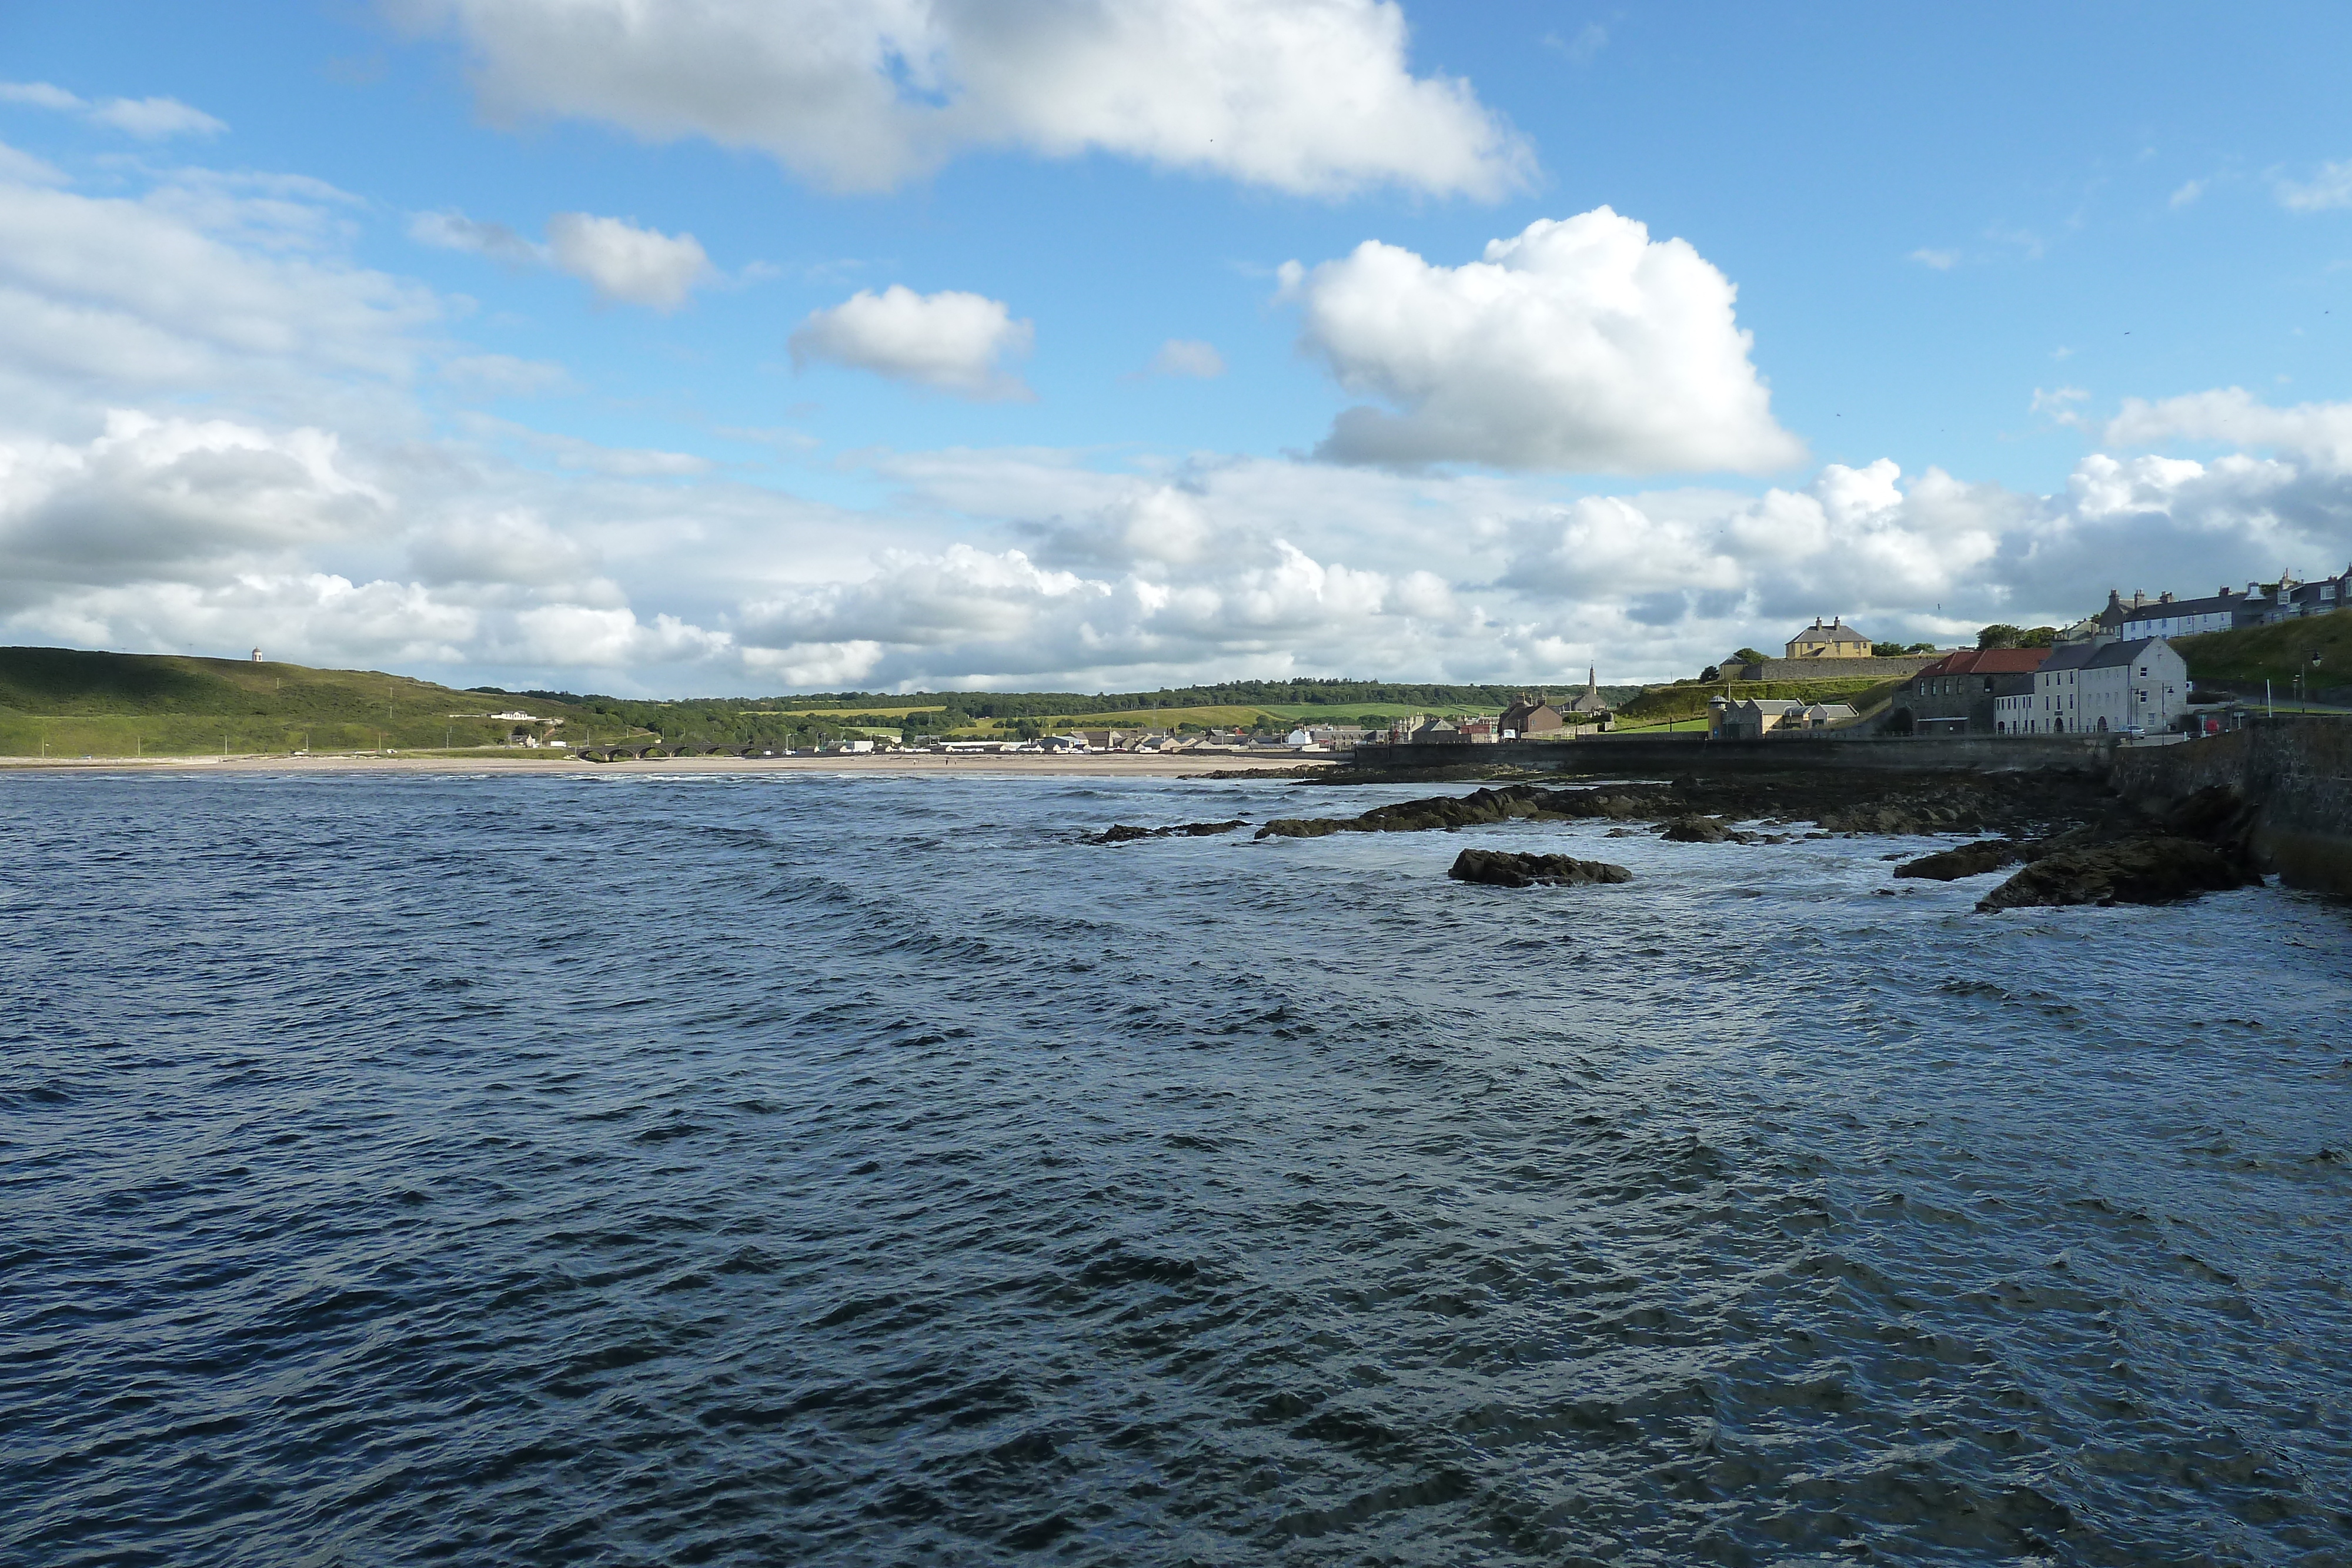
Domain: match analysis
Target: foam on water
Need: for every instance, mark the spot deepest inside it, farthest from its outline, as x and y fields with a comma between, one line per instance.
x=756, y=1169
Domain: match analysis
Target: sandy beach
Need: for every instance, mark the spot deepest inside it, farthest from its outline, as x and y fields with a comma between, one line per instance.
x=1093, y=765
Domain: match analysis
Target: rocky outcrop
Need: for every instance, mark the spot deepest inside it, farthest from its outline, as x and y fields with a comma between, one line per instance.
x=1121, y=833
x=1513, y=802
x=2152, y=869
x=1698, y=830
x=1496, y=868
x=1967, y=859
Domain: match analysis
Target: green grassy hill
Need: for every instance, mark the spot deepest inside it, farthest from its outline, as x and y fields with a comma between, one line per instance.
x=2276, y=653
x=76, y=703
x=1677, y=705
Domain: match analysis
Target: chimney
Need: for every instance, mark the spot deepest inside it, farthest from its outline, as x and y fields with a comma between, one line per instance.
x=2164, y=598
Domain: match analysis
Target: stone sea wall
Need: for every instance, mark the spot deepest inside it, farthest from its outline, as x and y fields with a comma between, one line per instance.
x=2295, y=772
x=1904, y=666
x=1689, y=752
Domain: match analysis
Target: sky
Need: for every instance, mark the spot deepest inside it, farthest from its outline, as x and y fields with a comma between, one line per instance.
x=750, y=346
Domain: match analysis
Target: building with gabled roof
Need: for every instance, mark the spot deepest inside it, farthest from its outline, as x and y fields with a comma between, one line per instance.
x=1959, y=694
x=1834, y=640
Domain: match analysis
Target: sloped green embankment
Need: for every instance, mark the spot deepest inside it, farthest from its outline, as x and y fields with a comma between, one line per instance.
x=127, y=705
x=1687, y=701
x=2276, y=653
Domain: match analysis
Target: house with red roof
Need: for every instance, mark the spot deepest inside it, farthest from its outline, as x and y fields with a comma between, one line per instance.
x=1960, y=692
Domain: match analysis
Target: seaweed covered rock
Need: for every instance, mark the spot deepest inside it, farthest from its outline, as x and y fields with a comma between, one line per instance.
x=1696, y=830
x=1497, y=868
x=1121, y=833
x=1964, y=859
x=2159, y=869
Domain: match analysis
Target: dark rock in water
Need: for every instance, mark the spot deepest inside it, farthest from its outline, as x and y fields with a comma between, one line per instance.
x=1121, y=833
x=1703, y=830
x=1965, y=860
x=2156, y=870
x=1497, y=868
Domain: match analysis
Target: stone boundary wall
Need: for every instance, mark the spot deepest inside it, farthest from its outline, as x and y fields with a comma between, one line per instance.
x=2295, y=771
x=1905, y=666
x=1690, y=752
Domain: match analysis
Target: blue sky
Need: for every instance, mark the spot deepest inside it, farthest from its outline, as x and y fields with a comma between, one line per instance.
x=379, y=339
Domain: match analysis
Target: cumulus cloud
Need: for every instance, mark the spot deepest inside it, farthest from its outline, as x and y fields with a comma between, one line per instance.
x=148, y=118
x=2331, y=187
x=1188, y=357
x=1578, y=344
x=624, y=262
x=1313, y=96
x=949, y=341
x=505, y=375
x=198, y=285
x=2317, y=433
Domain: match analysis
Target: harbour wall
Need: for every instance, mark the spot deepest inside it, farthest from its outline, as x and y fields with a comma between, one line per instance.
x=2295, y=772
x=1668, y=755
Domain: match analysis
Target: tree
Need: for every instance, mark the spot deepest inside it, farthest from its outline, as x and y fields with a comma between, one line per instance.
x=1371, y=721
x=1999, y=635
x=2039, y=637
x=1750, y=656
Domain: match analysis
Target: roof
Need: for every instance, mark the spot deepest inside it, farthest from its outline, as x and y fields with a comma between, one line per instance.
x=2116, y=654
x=1834, y=631
x=2166, y=610
x=1765, y=705
x=1987, y=661
x=2072, y=656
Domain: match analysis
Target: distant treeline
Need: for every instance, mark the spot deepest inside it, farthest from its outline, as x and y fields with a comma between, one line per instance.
x=720, y=719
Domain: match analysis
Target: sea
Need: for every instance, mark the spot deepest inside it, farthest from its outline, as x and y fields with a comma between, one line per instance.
x=809, y=1169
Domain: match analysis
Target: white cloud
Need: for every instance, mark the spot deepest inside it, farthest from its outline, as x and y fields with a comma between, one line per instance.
x=2318, y=434
x=504, y=375
x=148, y=118
x=1188, y=357
x=2188, y=194
x=625, y=263
x=1581, y=49
x=205, y=285
x=622, y=262
x=1578, y=344
x=2059, y=405
x=2331, y=187
x=949, y=341
x=1941, y=260
x=21, y=168
x=1312, y=97
x=456, y=231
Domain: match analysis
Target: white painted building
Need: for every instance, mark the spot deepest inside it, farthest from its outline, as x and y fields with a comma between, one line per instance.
x=2054, y=706
x=2140, y=685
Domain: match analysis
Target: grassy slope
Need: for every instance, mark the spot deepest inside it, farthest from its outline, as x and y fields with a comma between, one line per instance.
x=123, y=704
x=2276, y=653
x=1672, y=705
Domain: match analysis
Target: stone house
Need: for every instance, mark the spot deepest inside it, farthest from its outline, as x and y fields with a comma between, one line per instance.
x=2140, y=685
x=1835, y=641
x=1960, y=692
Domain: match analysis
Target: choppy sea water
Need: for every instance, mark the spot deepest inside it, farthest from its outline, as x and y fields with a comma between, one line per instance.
x=807, y=1170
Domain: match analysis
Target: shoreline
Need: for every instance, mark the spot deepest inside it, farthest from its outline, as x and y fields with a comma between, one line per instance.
x=1105, y=764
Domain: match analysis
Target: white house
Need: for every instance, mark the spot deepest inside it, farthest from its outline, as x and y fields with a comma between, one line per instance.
x=2054, y=706
x=2141, y=685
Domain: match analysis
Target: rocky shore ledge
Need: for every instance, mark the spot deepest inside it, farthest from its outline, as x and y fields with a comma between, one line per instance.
x=2078, y=841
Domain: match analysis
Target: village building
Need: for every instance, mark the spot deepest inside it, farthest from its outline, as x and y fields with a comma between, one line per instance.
x=1960, y=692
x=1531, y=717
x=1755, y=718
x=2138, y=686
x=2054, y=706
x=1835, y=641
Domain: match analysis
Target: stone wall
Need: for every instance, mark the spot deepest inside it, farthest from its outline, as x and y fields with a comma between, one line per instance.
x=2295, y=771
x=1904, y=667
x=1666, y=756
